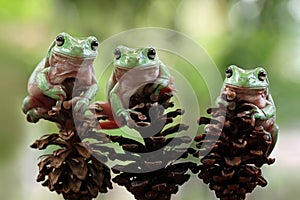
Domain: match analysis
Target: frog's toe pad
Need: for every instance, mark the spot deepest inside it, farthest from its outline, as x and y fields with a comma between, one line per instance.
x=32, y=116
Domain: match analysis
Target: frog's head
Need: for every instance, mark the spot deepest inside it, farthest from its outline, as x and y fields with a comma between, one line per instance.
x=67, y=45
x=135, y=58
x=240, y=78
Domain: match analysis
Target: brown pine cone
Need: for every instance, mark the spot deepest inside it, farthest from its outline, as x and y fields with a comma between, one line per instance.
x=152, y=175
x=155, y=185
x=233, y=149
x=71, y=170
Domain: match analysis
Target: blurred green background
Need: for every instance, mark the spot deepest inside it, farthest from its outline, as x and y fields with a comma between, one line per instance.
x=248, y=33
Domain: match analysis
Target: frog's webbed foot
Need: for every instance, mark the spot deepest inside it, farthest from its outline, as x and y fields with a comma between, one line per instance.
x=161, y=87
x=35, y=114
x=252, y=115
x=247, y=117
x=101, y=110
x=57, y=93
x=259, y=114
x=96, y=107
x=129, y=121
x=34, y=109
x=55, y=109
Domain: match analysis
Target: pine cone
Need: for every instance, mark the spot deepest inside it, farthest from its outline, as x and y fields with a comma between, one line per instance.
x=155, y=177
x=72, y=170
x=156, y=185
x=233, y=149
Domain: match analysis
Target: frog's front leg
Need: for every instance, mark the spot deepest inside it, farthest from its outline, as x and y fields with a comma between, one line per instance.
x=256, y=113
x=85, y=99
x=273, y=130
x=118, y=108
x=268, y=115
x=55, y=92
x=221, y=101
x=265, y=113
x=164, y=83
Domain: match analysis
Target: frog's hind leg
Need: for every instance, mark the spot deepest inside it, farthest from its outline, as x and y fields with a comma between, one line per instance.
x=34, y=109
x=108, y=125
x=102, y=108
x=105, y=109
x=274, y=134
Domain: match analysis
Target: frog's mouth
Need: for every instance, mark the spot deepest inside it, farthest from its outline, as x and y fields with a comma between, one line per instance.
x=145, y=72
x=71, y=61
x=246, y=90
x=72, y=56
x=66, y=56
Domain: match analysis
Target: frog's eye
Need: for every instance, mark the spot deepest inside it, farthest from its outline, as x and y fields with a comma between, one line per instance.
x=94, y=45
x=117, y=53
x=262, y=75
x=60, y=40
x=228, y=72
x=151, y=53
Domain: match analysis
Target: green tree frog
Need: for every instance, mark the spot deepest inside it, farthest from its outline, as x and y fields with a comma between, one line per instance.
x=67, y=59
x=250, y=86
x=133, y=69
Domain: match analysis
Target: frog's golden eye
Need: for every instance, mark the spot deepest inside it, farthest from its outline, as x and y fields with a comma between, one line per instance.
x=151, y=53
x=94, y=45
x=262, y=75
x=60, y=40
x=228, y=72
x=117, y=53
